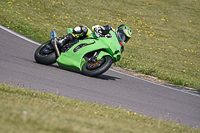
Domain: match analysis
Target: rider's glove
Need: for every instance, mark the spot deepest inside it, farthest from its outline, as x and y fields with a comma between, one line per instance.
x=98, y=31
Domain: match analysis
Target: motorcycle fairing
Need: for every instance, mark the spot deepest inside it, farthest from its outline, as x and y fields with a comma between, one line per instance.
x=74, y=59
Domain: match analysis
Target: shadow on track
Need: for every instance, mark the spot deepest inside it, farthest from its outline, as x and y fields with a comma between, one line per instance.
x=102, y=76
x=106, y=77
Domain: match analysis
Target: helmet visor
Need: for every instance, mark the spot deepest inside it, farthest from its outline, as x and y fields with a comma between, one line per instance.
x=123, y=37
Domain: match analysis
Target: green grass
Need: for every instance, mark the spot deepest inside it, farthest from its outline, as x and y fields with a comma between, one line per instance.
x=166, y=34
x=26, y=111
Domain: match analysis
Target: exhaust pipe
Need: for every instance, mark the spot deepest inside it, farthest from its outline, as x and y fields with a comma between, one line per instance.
x=54, y=42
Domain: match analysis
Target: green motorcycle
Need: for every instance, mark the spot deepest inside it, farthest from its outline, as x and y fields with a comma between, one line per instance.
x=91, y=56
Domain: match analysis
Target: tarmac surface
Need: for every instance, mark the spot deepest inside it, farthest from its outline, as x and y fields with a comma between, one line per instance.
x=113, y=88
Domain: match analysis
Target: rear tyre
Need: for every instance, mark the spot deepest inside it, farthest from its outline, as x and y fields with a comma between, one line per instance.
x=45, y=54
x=94, y=69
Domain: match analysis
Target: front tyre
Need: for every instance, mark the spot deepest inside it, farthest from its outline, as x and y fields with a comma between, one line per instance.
x=94, y=69
x=45, y=54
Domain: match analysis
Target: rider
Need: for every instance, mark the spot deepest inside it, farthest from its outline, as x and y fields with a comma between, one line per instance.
x=123, y=33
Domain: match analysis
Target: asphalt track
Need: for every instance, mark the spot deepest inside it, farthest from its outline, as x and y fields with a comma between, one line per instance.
x=116, y=89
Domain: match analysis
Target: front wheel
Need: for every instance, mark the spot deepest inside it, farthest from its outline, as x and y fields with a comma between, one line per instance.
x=45, y=54
x=94, y=69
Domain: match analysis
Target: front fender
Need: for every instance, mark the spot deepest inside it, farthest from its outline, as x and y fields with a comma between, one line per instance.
x=71, y=61
x=102, y=54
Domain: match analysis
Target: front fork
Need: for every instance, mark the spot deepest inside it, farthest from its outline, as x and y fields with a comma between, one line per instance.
x=94, y=57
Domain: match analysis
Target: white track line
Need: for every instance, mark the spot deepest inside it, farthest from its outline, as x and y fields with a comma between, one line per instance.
x=181, y=90
x=34, y=42
x=17, y=34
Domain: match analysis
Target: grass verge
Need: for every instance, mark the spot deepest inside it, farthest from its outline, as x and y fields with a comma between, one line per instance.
x=23, y=111
x=165, y=40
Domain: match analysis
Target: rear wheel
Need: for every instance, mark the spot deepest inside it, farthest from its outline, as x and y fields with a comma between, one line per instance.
x=45, y=54
x=96, y=68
